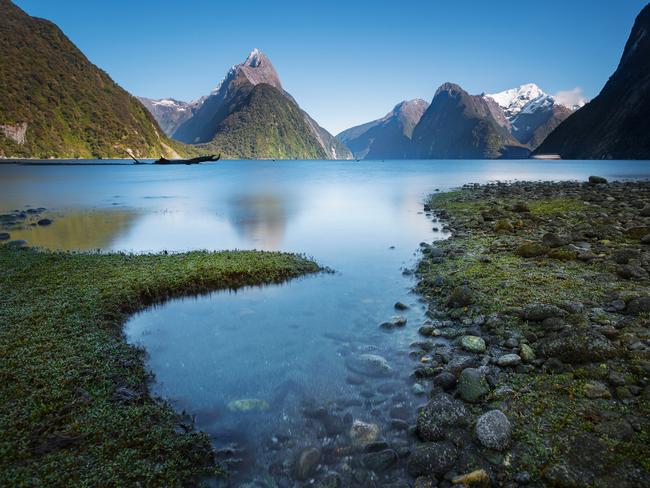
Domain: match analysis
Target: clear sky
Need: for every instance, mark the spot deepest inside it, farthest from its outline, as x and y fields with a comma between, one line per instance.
x=347, y=62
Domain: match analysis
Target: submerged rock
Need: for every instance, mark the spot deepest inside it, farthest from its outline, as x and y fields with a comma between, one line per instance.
x=248, y=404
x=432, y=458
x=362, y=433
x=476, y=479
x=307, y=462
x=369, y=365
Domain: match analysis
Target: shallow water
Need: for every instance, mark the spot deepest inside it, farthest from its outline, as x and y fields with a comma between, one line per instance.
x=285, y=345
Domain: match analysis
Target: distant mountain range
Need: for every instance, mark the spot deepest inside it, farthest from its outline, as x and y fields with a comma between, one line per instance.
x=388, y=137
x=56, y=103
x=456, y=124
x=249, y=115
x=615, y=124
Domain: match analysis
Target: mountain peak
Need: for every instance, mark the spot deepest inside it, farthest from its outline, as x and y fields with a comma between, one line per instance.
x=449, y=88
x=254, y=59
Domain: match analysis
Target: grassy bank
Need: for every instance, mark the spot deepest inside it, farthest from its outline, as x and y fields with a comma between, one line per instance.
x=558, y=275
x=75, y=407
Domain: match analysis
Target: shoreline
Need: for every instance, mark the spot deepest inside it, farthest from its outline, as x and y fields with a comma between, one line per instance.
x=543, y=295
x=78, y=408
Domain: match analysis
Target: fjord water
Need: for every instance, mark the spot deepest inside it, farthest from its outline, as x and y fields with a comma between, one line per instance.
x=289, y=347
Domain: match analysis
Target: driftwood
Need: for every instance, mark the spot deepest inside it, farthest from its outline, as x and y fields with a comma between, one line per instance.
x=198, y=160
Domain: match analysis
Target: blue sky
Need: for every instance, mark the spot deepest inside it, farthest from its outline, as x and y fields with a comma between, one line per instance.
x=347, y=62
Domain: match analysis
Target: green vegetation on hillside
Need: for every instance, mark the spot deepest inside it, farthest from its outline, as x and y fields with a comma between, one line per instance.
x=263, y=123
x=72, y=108
x=75, y=407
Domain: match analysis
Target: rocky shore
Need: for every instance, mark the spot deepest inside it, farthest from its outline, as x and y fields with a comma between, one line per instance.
x=536, y=354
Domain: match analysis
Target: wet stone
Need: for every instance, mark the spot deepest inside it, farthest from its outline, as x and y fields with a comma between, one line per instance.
x=472, y=343
x=432, y=458
x=472, y=385
x=493, y=430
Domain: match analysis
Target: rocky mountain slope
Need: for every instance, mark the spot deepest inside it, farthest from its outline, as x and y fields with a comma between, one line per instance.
x=250, y=115
x=615, y=124
x=55, y=103
x=388, y=137
x=458, y=125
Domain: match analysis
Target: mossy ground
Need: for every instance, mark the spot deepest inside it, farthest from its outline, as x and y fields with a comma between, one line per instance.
x=75, y=408
x=550, y=411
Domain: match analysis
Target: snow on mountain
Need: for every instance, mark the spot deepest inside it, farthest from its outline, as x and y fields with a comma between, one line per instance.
x=512, y=101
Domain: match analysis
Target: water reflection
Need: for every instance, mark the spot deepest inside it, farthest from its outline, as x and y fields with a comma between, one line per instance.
x=86, y=230
x=261, y=219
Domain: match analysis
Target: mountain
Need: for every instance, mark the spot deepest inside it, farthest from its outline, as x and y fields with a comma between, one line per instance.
x=171, y=113
x=55, y=103
x=532, y=114
x=388, y=137
x=250, y=115
x=615, y=124
x=457, y=125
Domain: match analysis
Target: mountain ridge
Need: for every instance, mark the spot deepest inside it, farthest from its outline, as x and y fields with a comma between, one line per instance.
x=62, y=105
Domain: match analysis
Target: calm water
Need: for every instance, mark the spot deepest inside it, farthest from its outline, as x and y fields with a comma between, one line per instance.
x=287, y=346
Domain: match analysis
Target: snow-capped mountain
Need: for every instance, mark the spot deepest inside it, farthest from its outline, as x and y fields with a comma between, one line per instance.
x=171, y=113
x=512, y=101
x=531, y=112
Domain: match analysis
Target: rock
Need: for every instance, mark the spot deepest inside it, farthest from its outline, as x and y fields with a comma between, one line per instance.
x=381, y=460
x=493, y=430
x=520, y=207
x=395, y=321
x=540, y=311
x=44, y=222
x=478, y=478
x=362, y=433
x=307, y=462
x=330, y=480
x=248, y=404
x=645, y=211
x=425, y=482
x=503, y=225
x=461, y=296
x=638, y=305
x=551, y=239
x=629, y=271
x=596, y=389
x=369, y=365
x=472, y=343
x=597, y=180
x=442, y=412
x=637, y=232
x=445, y=380
x=5, y=236
x=18, y=244
x=645, y=239
x=531, y=250
x=577, y=346
x=472, y=385
x=400, y=306
x=509, y=360
x=432, y=458
x=526, y=352
x=418, y=389
x=616, y=429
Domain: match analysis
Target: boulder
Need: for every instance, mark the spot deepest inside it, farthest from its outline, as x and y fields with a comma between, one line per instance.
x=442, y=412
x=472, y=343
x=577, y=346
x=472, y=385
x=461, y=296
x=369, y=365
x=493, y=430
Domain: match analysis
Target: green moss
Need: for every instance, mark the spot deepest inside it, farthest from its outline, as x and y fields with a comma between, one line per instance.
x=63, y=418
